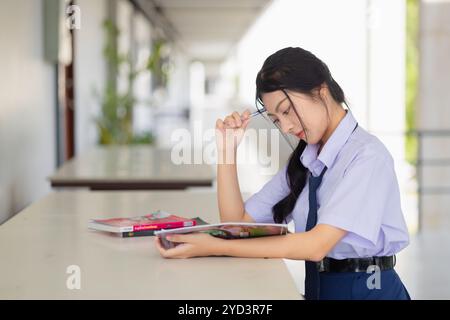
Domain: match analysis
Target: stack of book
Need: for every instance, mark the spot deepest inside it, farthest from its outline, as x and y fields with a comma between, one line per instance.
x=142, y=225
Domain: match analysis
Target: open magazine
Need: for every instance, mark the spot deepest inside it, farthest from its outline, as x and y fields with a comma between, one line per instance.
x=227, y=230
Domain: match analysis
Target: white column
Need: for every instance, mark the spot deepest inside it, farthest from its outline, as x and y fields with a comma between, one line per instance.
x=434, y=109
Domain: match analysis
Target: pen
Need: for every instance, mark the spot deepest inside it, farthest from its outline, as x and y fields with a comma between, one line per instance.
x=254, y=114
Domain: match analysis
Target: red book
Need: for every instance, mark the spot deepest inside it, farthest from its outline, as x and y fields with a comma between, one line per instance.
x=153, y=221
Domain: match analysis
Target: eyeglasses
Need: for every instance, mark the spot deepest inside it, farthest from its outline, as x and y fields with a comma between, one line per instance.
x=261, y=109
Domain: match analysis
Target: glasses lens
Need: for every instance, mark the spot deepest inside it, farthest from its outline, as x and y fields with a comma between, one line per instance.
x=259, y=106
x=289, y=141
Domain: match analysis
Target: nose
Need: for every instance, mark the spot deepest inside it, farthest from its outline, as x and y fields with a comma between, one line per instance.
x=286, y=126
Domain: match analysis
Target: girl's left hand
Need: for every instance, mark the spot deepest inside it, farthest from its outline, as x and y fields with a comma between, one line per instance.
x=191, y=245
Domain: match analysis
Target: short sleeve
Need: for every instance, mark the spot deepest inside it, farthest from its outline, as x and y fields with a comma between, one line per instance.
x=259, y=205
x=367, y=190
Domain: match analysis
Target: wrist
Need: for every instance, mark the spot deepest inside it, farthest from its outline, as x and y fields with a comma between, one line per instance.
x=221, y=247
x=226, y=156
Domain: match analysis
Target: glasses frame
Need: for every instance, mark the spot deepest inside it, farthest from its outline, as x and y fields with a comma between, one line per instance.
x=263, y=111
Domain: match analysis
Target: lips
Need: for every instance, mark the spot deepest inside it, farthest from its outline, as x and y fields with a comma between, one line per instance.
x=300, y=135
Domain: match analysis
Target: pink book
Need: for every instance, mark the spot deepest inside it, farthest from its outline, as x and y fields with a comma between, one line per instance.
x=153, y=221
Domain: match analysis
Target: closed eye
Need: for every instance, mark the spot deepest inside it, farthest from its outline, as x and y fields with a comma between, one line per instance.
x=286, y=112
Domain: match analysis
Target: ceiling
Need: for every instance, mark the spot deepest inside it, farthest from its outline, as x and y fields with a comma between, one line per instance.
x=204, y=29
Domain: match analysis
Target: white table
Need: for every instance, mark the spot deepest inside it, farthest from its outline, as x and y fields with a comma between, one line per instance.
x=131, y=168
x=41, y=242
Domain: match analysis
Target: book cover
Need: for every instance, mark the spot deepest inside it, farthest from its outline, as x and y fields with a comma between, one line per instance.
x=143, y=233
x=153, y=221
x=133, y=234
x=227, y=230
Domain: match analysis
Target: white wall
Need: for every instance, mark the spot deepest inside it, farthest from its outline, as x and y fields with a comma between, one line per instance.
x=27, y=91
x=90, y=71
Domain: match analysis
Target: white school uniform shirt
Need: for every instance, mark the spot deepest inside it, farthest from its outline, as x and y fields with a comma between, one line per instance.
x=359, y=193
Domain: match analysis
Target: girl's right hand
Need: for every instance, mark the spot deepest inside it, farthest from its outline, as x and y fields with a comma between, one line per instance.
x=230, y=131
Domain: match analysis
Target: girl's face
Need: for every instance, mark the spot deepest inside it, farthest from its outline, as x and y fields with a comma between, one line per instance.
x=313, y=121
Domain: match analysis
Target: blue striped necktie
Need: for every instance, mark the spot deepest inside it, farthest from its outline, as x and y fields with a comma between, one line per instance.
x=312, y=273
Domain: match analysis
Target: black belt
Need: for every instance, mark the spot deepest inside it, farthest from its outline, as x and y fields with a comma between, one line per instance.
x=356, y=264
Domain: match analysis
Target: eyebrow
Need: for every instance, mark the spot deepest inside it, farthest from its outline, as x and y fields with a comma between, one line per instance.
x=278, y=105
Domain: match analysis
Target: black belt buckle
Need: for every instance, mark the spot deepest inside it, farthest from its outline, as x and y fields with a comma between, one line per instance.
x=323, y=265
x=320, y=266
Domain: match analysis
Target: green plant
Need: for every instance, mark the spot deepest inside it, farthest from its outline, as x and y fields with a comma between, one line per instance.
x=115, y=121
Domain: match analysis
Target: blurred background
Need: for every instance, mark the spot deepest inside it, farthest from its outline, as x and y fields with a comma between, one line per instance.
x=86, y=74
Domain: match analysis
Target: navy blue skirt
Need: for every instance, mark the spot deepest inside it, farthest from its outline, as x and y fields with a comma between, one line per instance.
x=354, y=286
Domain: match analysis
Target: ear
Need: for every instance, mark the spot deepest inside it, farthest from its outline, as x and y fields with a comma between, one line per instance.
x=324, y=92
x=325, y=96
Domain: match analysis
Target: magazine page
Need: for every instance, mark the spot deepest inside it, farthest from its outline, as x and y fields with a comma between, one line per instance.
x=229, y=230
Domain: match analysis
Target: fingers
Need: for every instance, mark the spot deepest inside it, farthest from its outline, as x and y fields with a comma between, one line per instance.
x=189, y=245
x=245, y=123
x=179, y=252
x=158, y=245
x=235, y=120
x=245, y=115
x=219, y=124
x=178, y=237
x=176, y=252
x=229, y=122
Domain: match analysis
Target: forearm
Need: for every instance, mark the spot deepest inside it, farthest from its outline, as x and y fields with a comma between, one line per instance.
x=313, y=245
x=297, y=246
x=231, y=205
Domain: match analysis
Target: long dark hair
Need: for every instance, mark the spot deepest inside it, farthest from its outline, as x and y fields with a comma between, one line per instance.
x=294, y=69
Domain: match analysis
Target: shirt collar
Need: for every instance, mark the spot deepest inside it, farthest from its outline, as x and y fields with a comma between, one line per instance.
x=331, y=148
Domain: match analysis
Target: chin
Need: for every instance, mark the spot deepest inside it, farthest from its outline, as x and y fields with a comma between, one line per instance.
x=312, y=141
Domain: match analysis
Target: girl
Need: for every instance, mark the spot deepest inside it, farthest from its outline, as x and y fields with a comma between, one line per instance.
x=339, y=187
